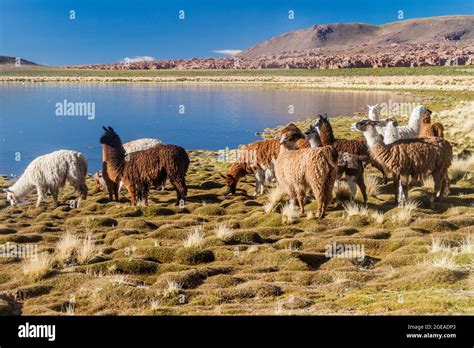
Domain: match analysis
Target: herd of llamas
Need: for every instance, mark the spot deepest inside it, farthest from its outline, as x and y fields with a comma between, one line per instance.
x=300, y=163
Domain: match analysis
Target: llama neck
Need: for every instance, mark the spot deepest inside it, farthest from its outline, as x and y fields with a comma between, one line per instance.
x=415, y=120
x=373, y=115
x=116, y=157
x=372, y=137
x=314, y=141
x=22, y=186
x=237, y=171
x=326, y=134
x=287, y=147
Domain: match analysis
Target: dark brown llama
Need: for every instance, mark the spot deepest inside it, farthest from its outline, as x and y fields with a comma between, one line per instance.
x=142, y=170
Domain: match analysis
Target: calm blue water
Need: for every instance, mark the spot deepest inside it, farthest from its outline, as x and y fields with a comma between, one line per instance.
x=214, y=117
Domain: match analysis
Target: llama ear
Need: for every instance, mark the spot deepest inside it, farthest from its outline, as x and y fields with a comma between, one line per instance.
x=105, y=129
x=376, y=105
x=111, y=130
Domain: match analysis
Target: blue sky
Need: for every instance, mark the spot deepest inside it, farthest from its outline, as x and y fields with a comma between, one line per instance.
x=106, y=31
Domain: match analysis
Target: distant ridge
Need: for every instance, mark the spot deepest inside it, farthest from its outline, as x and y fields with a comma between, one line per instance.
x=7, y=60
x=347, y=36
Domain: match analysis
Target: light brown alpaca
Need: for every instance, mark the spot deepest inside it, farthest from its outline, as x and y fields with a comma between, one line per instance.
x=298, y=170
x=407, y=158
x=427, y=129
x=258, y=159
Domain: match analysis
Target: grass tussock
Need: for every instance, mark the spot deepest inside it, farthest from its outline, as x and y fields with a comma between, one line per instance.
x=461, y=167
x=223, y=232
x=373, y=185
x=355, y=209
x=341, y=191
x=87, y=249
x=67, y=246
x=289, y=213
x=37, y=267
x=274, y=198
x=195, y=239
x=377, y=217
x=405, y=213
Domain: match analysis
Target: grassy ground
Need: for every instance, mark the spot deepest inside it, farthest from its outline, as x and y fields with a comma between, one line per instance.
x=225, y=255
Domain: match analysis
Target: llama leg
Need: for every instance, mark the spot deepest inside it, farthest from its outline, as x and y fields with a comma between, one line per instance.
x=438, y=184
x=110, y=188
x=403, y=189
x=41, y=196
x=180, y=186
x=133, y=193
x=352, y=186
x=396, y=184
x=258, y=181
x=116, y=189
x=445, y=185
x=319, y=197
x=300, y=198
x=55, y=194
x=363, y=189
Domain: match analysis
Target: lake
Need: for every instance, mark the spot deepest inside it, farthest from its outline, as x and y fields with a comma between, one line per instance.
x=36, y=119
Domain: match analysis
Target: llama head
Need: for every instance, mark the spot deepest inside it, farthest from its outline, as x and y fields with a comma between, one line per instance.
x=373, y=112
x=110, y=138
x=312, y=134
x=365, y=124
x=392, y=120
x=231, y=183
x=290, y=134
x=321, y=121
x=343, y=160
x=11, y=197
x=426, y=116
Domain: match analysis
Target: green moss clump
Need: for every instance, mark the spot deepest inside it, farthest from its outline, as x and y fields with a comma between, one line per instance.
x=111, y=236
x=21, y=238
x=157, y=211
x=91, y=221
x=434, y=225
x=244, y=237
x=125, y=265
x=194, y=256
x=250, y=290
x=157, y=254
x=138, y=224
x=210, y=210
x=225, y=280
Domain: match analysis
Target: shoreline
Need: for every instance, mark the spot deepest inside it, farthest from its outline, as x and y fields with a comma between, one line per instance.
x=383, y=83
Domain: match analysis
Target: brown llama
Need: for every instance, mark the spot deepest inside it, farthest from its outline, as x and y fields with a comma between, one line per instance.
x=357, y=147
x=298, y=170
x=351, y=166
x=260, y=162
x=139, y=171
x=407, y=158
x=427, y=129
